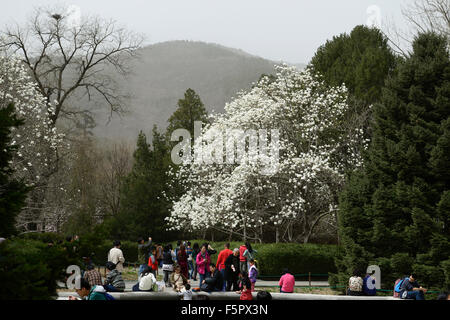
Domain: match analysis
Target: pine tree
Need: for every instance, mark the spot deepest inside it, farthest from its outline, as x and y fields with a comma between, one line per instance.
x=190, y=109
x=362, y=60
x=395, y=212
x=12, y=192
x=143, y=206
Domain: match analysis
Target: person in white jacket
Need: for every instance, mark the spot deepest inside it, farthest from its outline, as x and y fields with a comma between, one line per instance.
x=146, y=281
x=115, y=255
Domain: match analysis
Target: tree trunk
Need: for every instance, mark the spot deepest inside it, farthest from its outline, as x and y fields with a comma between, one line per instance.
x=277, y=235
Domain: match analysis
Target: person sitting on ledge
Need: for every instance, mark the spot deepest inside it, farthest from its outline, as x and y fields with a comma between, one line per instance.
x=287, y=282
x=410, y=289
x=114, y=281
x=146, y=280
x=187, y=293
x=369, y=288
x=93, y=276
x=88, y=292
x=355, y=284
x=177, y=279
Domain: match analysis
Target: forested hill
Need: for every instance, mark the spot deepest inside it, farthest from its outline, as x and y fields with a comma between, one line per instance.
x=164, y=72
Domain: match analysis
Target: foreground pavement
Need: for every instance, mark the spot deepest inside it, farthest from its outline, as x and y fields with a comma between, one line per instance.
x=171, y=295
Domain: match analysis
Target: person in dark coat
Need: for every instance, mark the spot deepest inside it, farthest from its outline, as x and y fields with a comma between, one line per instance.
x=232, y=270
x=167, y=265
x=214, y=282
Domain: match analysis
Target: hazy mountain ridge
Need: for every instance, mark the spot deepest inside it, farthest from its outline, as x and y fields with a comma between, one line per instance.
x=163, y=73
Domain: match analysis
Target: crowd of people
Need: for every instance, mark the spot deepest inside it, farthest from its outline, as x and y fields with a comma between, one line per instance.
x=182, y=266
x=235, y=270
x=187, y=263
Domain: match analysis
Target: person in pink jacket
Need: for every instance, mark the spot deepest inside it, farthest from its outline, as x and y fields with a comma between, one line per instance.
x=203, y=259
x=287, y=282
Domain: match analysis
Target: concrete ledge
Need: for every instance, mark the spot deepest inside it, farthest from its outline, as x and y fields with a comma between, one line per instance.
x=168, y=295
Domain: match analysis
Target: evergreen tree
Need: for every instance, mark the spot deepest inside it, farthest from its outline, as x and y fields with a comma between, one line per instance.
x=190, y=109
x=12, y=192
x=361, y=60
x=395, y=212
x=143, y=206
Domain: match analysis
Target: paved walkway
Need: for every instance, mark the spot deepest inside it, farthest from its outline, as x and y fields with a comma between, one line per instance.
x=259, y=283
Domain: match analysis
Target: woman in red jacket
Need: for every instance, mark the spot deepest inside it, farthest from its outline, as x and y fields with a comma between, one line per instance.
x=182, y=261
x=223, y=255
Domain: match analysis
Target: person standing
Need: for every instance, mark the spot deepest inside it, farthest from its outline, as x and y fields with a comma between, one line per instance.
x=223, y=255
x=115, y=255
x=249, y=254
x=195, y=251
x=242, y=260
x=202, y=261
x=232, y=270
x=179, y=243
x=252, y=274
x=167, y=264
x=152, y=262
x=159, y=255
x=190, y=261
x=183, y=261
x=142, y=253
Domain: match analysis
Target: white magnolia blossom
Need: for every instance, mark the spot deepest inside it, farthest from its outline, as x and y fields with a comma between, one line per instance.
x=37, y=139
x=314, y=150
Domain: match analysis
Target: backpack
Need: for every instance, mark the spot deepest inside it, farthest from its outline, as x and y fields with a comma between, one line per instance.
x=109, y=297
x=398, y=286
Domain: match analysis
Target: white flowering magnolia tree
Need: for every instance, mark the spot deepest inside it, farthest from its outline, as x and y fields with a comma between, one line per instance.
x=291, y=189
x=37, y=139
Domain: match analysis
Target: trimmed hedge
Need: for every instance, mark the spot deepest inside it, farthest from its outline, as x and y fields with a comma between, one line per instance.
x=274, y=257
x=298, y=258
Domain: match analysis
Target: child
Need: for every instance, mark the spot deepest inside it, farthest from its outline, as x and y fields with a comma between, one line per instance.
x=178, y=280
x=186, y=293
x=152, y=262
x=253, y=273
x=245, y=292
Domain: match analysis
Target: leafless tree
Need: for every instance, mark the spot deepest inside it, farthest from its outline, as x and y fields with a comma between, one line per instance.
x=421, y=16
x=114, y=167
x=73, y=60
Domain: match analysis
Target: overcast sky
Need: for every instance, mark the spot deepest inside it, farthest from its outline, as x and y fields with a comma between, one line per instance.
x=287, y=30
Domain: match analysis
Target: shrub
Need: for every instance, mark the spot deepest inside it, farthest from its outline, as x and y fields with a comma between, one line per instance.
x=274, y=257
x=29, y=269
x=298, y=258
